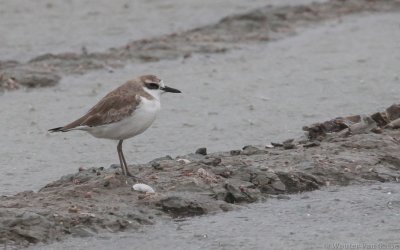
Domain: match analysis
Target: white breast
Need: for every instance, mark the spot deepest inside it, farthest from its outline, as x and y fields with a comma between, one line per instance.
x=140, y=120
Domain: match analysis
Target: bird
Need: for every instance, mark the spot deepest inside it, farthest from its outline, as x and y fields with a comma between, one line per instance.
x=123, y=113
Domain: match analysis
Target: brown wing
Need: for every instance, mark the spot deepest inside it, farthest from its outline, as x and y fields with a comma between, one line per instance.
x=112, y=108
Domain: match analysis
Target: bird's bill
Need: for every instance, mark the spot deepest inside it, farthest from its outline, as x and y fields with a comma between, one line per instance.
x=169, y=89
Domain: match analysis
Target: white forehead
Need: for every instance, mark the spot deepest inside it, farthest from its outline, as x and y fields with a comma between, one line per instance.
x=162, y=84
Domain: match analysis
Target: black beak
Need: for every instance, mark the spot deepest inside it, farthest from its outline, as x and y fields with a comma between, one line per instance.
x=168, y=89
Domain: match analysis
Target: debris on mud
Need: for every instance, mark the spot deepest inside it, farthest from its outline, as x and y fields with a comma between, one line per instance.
x=260, y=25
x=356, y=124
x=15, y=78
x=98, y=199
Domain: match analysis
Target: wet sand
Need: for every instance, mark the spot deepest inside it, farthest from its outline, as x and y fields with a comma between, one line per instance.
x=360, y=215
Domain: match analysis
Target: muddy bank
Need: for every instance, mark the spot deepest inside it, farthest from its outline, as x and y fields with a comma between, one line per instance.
x=261, y=25
x=349, y=150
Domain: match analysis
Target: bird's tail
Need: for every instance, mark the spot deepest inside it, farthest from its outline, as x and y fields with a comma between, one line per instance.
x=59, y=129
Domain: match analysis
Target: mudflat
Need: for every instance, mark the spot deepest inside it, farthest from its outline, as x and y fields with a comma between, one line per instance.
x=251, y=76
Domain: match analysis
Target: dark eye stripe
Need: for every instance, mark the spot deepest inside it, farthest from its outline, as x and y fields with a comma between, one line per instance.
x=152, y=86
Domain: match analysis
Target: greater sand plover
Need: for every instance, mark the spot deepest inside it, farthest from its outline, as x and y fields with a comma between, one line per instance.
x=123, y=113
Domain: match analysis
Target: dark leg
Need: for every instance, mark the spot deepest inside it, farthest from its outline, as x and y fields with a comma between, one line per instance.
x=126, y=165
x=121, y=161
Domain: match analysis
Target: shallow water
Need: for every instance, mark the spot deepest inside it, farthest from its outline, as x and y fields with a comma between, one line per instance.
x=364, y=215
x=42, y=26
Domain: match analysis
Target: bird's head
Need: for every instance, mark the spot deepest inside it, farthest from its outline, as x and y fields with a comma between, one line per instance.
x=155, y=86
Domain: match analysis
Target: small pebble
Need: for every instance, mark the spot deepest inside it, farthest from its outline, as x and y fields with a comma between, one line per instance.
x=73, y=209
x=235, y=152
x=312, y=144
x=156, y=166
x=276, y=144
x=201, y=151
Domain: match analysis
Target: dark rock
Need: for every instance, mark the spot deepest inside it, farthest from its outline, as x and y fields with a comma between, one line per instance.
x=223, y=171
x=114, y=166
x=201, y=151
x=312, y=144
x=213, y=161
x=393, y=112
x=380, y=118
x=268, y=183
x=276, y=144
x=179, y=206
x=252, y=150
x=240, y=192
x=299, y=182
x=156, y=165
x=288, y=144
x=235, y=152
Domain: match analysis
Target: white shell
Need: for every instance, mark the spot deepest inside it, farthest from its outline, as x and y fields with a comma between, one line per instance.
x=140, y=187
x=185, y=161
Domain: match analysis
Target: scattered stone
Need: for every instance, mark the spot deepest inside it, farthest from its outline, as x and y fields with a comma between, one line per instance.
x=235, y=152
x=393, y=112
x=156, y=165
x=213, y=161
x=312, y=144
x=252, y=150
x=288, y=144
x=276, y=144
x=181, y=207
x=201, y=151
x=380, y=118
x=73, y=209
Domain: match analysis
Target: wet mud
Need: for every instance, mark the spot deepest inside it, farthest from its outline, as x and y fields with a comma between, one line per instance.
x=343, y=151
x=263, y=24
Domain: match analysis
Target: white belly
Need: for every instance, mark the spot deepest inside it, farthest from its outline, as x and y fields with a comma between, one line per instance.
x=140, y=120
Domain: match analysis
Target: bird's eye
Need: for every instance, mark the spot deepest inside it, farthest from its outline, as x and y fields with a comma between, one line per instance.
x=152, y=86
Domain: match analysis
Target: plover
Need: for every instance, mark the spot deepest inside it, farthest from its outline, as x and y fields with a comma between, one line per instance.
x=123, y=113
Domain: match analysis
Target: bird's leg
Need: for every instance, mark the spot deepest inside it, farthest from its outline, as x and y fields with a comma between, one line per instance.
x=126, y=165
x=121, y=161
x=126, y=171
